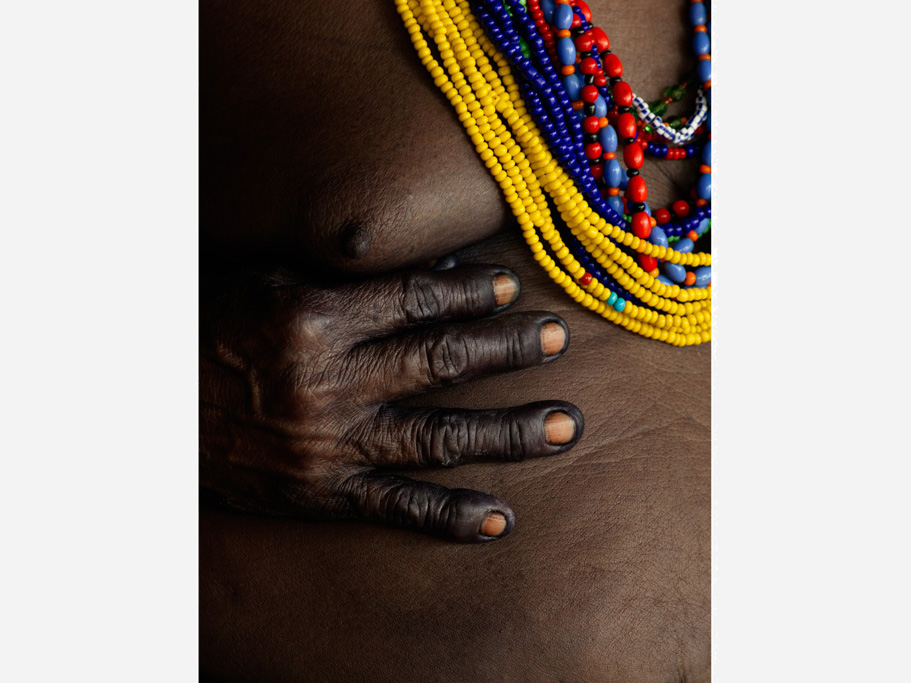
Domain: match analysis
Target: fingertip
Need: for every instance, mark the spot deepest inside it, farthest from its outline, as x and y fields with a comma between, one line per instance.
x=493, y=519
x=505, y=289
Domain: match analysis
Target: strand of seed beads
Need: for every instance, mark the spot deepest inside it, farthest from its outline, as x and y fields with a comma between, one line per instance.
x=484, y=103
x=501, y=33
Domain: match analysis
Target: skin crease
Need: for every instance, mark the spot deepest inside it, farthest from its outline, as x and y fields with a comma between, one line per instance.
x=606, y=575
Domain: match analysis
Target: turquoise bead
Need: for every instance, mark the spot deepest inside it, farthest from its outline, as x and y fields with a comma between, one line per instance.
x=619, y=304
x=611, y=299
x=675, y=272
x=703, y=276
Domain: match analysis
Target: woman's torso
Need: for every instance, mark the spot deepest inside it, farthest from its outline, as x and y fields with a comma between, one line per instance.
x=359, y=162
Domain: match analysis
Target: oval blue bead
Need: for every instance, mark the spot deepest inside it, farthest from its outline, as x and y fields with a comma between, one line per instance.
x=619, y=304
x=664, y=281
x=707, y=153
x=548, y=7
x=566, y=49
x=684, y=245
x=704, y=70
x=702, y=227
x=703, y=276
x=616, y=204
x=675, y=272
x=658, y=237
x=613, y=173
x=607, y=136
x=573, y=83
x=648, y=210
x=704, y=186
x=563, y=19
x=700, y=43
x=697, y=14
x=600, y=104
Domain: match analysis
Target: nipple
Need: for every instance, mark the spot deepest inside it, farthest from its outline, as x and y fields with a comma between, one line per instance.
x=355, y=241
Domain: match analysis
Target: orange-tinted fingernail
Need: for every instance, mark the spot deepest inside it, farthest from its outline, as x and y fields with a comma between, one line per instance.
x=494, y=524
x=553, y=338
x=505, y=289
x=559, y=428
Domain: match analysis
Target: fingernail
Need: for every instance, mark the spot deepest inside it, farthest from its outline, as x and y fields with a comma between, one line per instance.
x=553, y=338
x=494, y=524
x=559, y=428
x=505, y=289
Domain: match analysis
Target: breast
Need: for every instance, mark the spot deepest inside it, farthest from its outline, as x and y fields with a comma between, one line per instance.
x=324, y=140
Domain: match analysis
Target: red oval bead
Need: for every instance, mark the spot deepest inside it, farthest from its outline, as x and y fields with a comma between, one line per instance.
x=680, y=207
x=600, y=80
x=632, y=156
x=613, y=67
x=577, y=22
x=597, y=171
x=648, y=263
x=623, y=94
x=636, y=190
x=626, y=125
x=591, y=124
x=662, y=216
x=593, y=150
x=640, y=222
x=589, y=93
x=586, y=12
x=601, y=39
x=585, y=280
x=584, y=42
x=588, y=65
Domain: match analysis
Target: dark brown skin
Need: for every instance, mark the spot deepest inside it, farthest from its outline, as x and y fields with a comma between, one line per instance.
x=606, y=574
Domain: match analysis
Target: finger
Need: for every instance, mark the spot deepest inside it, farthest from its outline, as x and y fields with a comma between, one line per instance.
x=390, y=304
x=450, y=354
x=436, y=437
x=458, y=514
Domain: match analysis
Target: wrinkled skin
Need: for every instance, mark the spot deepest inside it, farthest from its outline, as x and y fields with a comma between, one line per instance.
x=606, y=574
x=296, y=383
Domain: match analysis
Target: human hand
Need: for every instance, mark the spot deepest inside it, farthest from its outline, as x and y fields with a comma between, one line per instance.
x=297, y=384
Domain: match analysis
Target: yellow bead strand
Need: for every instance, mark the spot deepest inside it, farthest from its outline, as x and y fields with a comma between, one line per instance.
x=478, y=82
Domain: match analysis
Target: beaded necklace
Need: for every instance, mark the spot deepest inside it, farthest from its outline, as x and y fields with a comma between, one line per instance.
x=507, y=68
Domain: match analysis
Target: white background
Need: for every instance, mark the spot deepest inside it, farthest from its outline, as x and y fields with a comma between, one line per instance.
x=98, y=267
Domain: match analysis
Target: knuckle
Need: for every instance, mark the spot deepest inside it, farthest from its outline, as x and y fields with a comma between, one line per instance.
x=448, y=358
x=422, y=298
x=444, y=439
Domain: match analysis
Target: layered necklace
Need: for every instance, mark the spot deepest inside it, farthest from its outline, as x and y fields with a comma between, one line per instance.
x=544, y=101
